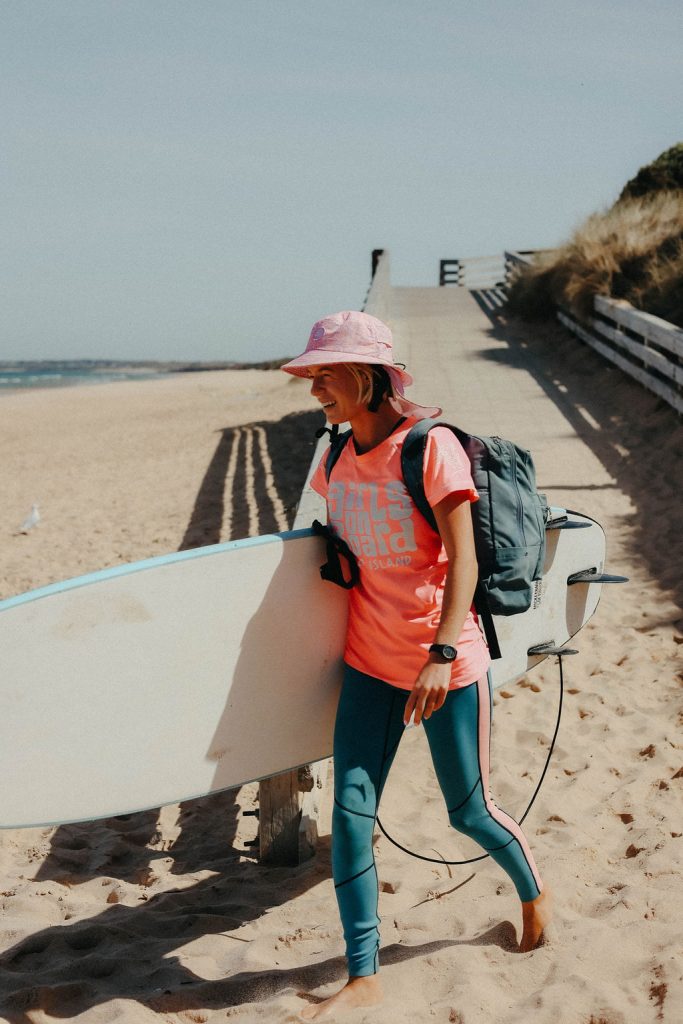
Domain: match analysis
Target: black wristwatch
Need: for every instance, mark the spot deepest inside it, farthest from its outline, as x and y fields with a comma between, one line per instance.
x=447, y=652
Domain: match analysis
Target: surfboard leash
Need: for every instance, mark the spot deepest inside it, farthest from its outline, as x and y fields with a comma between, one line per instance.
x=591, y=575
x=456, y=863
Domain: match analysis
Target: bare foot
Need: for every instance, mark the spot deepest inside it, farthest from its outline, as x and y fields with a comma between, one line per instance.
x=365, y=991
x=536, y=915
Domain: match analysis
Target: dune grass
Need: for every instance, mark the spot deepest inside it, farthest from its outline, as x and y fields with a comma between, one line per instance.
x=632, y=251
x=664, y=173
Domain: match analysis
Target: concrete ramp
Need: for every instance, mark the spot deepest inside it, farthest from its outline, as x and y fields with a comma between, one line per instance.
x=488, y=382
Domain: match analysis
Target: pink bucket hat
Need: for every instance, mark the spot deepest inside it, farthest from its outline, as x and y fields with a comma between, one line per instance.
x=354, y=337
x=349, y=337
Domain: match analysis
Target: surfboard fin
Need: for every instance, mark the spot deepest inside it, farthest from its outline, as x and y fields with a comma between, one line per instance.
x=567, y=524
x=558, y=519
x=593, y=576
x=550, y=647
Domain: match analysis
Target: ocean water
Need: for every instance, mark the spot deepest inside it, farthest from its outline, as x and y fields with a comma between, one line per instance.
x=53, y=374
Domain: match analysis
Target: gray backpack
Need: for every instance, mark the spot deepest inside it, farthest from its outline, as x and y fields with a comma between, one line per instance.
x=509, y=518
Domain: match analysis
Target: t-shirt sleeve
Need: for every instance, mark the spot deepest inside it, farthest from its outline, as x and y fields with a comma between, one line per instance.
x=446, y=468
x=319, y=480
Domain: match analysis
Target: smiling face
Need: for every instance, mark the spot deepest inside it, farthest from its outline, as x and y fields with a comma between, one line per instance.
x=337, y=389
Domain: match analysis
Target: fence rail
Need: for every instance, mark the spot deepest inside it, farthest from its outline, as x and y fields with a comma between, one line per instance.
x=473, y=271
x=643, y=346
x=516, y=260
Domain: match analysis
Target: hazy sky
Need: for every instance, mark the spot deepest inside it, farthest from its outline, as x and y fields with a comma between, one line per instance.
x=205, y=179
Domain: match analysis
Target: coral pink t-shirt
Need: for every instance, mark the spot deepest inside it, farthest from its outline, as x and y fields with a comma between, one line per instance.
x=395, y=609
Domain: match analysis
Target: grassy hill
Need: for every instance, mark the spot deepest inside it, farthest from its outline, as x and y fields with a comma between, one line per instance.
x=633, y=251
x=663, y=174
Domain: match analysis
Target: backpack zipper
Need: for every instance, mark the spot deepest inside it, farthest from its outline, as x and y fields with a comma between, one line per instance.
x=520, y=510
x=507, y=446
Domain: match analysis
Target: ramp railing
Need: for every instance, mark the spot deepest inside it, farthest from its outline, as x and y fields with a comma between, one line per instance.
x=473, y=272
x=644, y=346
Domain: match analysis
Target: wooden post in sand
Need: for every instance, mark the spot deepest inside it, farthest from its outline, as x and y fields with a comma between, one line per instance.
x=288, y=835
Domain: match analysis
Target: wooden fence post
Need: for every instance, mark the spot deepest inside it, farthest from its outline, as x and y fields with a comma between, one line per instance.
x=280, y=815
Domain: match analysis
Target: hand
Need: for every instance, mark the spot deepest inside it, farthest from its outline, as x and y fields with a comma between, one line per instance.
x=430, y=690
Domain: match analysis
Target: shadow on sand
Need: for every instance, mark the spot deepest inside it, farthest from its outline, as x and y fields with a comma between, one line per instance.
x=69, y=968
x=126, y=846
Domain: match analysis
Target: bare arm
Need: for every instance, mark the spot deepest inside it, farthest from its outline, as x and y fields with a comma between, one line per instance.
x=454, y=520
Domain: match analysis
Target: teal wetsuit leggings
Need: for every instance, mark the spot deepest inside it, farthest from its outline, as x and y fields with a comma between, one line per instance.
x=368, y=731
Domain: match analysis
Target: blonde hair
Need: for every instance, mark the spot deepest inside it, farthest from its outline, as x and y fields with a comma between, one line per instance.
x=366, y=375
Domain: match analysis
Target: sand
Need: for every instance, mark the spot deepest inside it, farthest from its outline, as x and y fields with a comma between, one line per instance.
x=167, y=915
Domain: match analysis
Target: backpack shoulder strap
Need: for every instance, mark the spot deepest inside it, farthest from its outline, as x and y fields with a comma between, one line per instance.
x=412, y=463
x=412, y=460
x=336, y=448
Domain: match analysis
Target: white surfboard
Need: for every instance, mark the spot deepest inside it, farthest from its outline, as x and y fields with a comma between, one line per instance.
x=179, y=676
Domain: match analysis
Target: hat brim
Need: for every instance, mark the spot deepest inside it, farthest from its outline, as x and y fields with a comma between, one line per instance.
x=301, y=365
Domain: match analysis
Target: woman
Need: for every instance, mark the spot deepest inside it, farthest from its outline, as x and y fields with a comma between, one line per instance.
x=413, y=646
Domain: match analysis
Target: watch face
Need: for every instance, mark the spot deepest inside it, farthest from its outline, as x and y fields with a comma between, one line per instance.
x=445, y=650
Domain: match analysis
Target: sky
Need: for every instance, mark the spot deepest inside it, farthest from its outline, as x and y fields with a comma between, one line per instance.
x=204, y=179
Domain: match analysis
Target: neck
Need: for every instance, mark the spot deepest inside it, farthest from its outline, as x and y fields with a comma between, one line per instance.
x=371, y=428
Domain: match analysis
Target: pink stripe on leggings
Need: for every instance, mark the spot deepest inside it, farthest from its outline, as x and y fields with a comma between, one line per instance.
x=501, y=817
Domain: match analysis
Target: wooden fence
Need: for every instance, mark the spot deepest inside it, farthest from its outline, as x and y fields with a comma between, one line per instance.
x=644, y=346
x=515, y=260
x=473, y=272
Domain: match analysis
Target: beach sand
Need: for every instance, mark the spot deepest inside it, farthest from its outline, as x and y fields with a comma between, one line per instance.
x=167, y=915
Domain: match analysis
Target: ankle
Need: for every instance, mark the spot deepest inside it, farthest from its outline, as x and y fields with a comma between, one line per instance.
x=365, y=981
x=537, y=900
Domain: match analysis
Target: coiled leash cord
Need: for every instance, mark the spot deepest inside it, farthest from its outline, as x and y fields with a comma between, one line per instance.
x=483, y=856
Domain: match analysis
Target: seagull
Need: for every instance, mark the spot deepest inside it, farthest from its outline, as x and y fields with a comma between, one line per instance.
x=32, y=519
